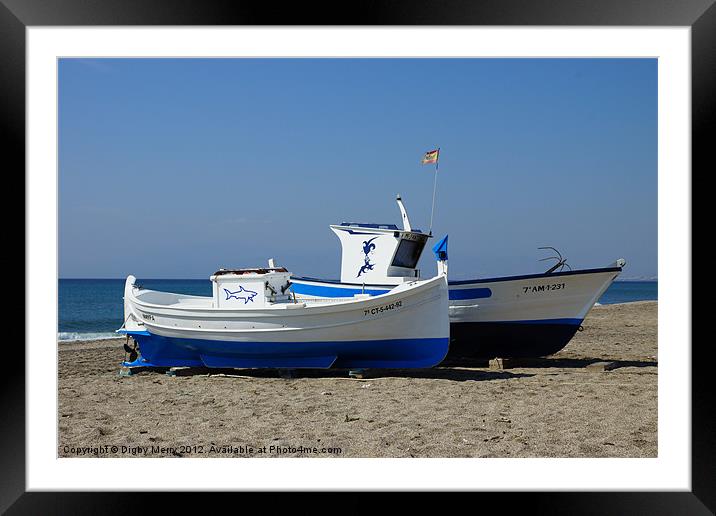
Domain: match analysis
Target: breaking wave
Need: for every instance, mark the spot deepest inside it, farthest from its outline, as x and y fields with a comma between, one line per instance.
x=74, y=335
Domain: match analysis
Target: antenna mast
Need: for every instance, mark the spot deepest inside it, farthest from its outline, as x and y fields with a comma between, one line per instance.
x=406, y=221
x=435, y=185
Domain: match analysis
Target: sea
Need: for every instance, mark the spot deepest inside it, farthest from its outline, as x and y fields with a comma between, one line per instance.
x=93, y=308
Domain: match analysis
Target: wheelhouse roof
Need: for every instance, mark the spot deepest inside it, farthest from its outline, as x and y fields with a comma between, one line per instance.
x=259, y=270
x=373, y=226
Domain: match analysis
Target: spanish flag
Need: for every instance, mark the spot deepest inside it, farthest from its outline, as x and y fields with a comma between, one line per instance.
x=430, y=157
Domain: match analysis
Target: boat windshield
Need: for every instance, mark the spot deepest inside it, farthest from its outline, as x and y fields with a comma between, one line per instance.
x=408, y=254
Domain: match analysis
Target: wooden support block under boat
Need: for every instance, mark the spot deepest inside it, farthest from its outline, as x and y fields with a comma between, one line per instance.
x=601, y=366
x=187, y=371
x=131, y=371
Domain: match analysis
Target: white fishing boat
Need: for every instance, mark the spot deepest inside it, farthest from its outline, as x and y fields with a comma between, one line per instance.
x=529, y=315
x=252, y=320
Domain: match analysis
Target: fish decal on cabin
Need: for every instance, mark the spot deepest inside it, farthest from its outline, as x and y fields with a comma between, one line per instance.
x=248, y=295
x=368, y=247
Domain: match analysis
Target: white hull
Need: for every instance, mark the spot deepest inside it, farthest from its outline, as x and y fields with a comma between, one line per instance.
x=541, y=298
x=532, y=315
x=412, y=318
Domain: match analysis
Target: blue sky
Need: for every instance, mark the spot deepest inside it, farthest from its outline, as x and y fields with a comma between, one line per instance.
x=172, y=168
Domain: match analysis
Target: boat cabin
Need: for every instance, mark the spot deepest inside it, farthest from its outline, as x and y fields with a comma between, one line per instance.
x=250, y=288
x=380, y=254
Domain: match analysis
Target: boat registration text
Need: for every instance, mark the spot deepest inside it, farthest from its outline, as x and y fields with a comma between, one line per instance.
x=381, y=309
x=543, y=288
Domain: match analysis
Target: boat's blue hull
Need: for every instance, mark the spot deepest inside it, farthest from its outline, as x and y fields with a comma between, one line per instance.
x=158, y=351
x=510, y=339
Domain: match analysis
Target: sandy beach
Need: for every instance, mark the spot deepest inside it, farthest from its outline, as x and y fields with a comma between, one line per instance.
x=552, y=407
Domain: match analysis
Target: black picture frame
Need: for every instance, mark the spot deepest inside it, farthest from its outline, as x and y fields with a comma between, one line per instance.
x=699, y=15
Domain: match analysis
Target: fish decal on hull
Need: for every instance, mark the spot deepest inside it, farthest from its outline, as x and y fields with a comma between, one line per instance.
x=242, y=293
x=368, y=247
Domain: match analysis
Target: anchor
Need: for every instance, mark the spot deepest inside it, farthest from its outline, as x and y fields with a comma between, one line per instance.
x=561, y=262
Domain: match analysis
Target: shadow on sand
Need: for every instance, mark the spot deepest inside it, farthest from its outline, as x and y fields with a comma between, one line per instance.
x=437, y=373
x=548, y=362
x=454, y=369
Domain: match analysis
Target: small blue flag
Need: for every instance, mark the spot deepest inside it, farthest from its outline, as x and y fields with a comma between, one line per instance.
x=440, y=249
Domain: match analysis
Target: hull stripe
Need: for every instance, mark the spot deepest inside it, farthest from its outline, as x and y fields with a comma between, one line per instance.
x=470, y=293
x=331, y=291
x=536, y=276
x=565, y=321
x=159, y=351
x=326, y=291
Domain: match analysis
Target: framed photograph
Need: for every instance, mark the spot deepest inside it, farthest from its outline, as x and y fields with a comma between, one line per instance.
x=161, y=140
